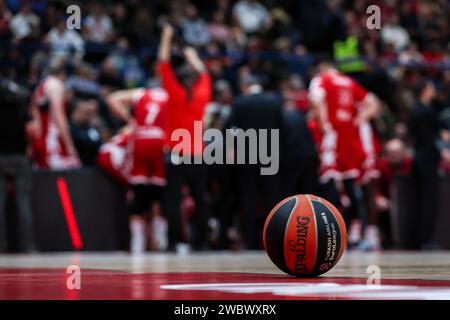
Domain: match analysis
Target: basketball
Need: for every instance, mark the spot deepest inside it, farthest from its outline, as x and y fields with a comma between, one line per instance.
x=304, y=235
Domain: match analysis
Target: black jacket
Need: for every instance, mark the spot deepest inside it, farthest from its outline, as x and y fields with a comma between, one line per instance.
x=258, y=111
x=424, y=127
x=14, y=114
x=299, y=144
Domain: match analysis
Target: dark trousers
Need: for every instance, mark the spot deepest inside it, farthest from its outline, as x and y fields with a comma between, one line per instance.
x=252, y=185
x=426, y=182
x=195, y=175
x=224, y=194
x=354, y=193
x=300, y=177
x=16, y=168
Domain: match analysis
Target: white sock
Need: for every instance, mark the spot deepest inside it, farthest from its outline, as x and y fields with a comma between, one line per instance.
x=159, y=232
x=137, y=230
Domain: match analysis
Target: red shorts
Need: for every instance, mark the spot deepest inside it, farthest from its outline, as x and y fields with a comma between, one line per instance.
x=145, y=157
x=370, y=147
x=341, y=155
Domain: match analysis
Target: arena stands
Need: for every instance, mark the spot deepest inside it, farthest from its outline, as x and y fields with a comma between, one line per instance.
x=274, y=41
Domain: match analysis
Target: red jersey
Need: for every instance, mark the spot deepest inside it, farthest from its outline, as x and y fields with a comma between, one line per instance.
x=150, y=107
x=340, y=150
x=185, y=110
x=341, y=95
x=144, y=160
x=111, y=156
x=40, y=99
x=48, y=150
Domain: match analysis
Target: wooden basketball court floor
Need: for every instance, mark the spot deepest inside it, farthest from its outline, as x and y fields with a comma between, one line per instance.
x=220, y=275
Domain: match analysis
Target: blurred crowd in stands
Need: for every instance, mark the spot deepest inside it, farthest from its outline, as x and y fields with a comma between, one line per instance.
x=275, y=41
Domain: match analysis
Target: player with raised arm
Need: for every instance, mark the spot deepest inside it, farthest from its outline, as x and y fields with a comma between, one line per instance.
x=189, y=88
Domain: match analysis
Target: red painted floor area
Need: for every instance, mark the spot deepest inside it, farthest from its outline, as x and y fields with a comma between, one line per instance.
x=99, y=284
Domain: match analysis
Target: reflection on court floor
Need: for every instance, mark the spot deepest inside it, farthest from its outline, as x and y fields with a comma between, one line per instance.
x=241, y=276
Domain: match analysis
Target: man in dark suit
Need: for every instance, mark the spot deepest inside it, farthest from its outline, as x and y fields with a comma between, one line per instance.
x=14, y=164
x=426, y=130
x=299, y=166
x=257, y=110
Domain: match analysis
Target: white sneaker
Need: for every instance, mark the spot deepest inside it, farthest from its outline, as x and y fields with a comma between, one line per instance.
x=354, y=234
x=372, y=238
x=183, y=248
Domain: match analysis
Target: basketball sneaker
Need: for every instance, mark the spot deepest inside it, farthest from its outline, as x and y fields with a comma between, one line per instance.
x=371, y=241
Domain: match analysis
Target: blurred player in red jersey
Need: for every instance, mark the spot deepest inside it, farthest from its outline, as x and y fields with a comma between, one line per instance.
x=190, y=90
x=342, y=106
x=52, y=144
x=144, y=110
x=112, y=154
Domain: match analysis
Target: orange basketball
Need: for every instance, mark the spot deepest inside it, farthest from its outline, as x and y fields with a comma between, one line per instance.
x=305, y=235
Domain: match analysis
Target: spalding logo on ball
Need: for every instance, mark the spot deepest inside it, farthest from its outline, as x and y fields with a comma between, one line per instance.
x=305, y=235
